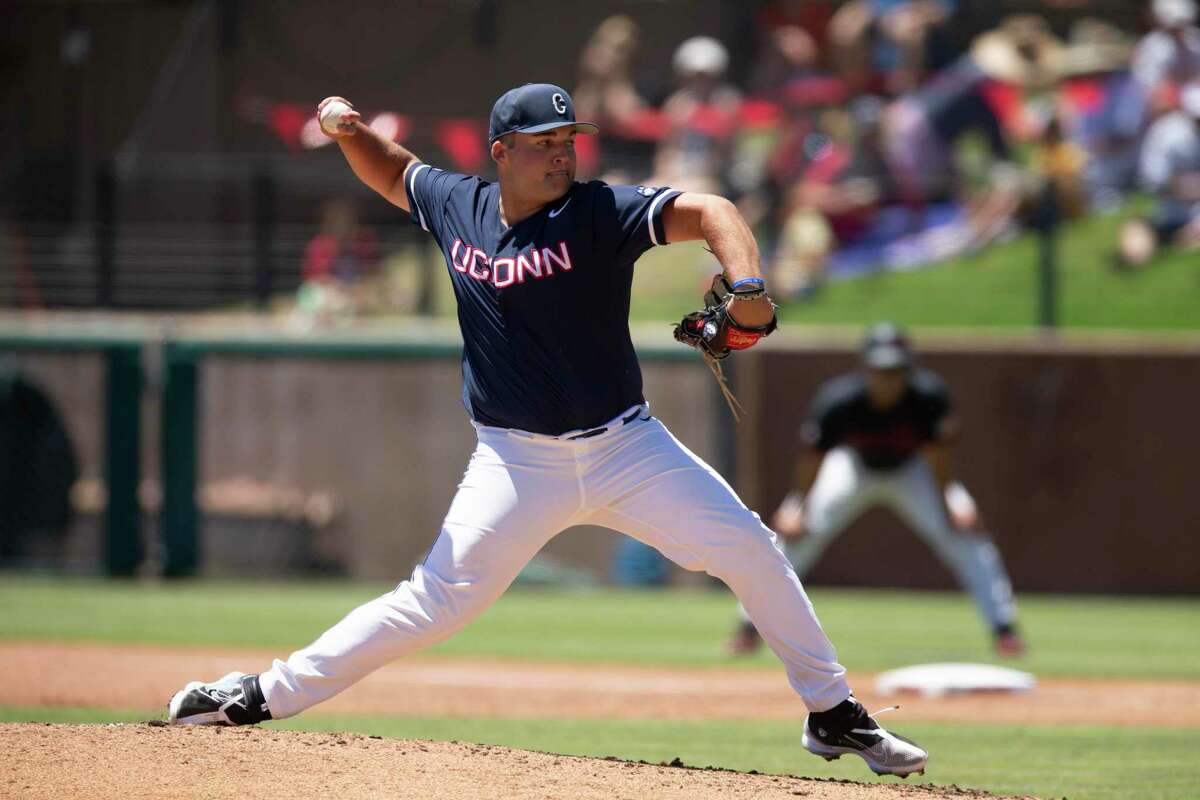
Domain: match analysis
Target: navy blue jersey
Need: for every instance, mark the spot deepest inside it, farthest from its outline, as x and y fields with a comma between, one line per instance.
x=841, y=414
x=543, y=305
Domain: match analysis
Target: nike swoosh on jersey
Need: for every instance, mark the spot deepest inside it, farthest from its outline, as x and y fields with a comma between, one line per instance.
x=558, y=210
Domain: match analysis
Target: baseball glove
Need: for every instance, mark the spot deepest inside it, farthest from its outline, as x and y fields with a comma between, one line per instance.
x=712, y=330
x=715, y=333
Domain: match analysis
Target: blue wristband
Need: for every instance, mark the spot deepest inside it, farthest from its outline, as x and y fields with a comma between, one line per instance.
x=744, y=281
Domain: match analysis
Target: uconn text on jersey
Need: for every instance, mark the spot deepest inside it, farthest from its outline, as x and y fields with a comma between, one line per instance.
x=501, y=272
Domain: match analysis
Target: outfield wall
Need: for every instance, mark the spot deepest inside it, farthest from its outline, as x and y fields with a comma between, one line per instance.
x=384, y=437
x=391, y=441
x=1082, y=460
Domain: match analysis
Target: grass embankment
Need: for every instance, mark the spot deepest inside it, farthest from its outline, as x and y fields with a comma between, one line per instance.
x=996, y=288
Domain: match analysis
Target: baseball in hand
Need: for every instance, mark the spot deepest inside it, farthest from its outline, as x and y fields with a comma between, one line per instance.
x=331, y=115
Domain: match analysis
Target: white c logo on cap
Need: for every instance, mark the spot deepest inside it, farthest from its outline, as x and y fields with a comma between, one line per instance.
x=560, y=103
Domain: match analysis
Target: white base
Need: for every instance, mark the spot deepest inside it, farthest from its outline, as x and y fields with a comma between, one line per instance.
x=935, y=680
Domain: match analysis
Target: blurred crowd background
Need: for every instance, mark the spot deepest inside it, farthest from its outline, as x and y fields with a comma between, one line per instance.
x=164, y=155
x=889, y=133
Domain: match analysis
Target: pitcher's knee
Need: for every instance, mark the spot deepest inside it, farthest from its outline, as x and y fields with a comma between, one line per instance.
x=753, y=552
x=441, y=603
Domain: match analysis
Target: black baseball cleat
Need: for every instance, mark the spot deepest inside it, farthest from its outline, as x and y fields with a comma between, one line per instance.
x=848, y=728
x=235, y=699
x=1008, y=642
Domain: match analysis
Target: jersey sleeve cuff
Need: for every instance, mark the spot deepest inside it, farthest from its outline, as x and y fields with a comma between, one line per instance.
x=410, y=188
x=654, y=220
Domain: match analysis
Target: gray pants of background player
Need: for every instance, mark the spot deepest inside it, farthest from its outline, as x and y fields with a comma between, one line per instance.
x=845, y=488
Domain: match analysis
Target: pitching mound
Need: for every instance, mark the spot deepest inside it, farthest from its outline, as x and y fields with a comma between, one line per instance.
x=127, y=762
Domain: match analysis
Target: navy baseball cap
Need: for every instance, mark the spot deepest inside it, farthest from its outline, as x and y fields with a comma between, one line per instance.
x=534, y=108
x=886, y=347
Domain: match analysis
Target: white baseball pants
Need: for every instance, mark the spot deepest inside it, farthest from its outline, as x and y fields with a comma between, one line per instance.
x=519, y=490
x=845, y=487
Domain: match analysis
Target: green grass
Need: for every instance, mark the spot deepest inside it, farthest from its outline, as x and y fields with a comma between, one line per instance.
x=996, y=288
x=874, y=630
x=1076, y=762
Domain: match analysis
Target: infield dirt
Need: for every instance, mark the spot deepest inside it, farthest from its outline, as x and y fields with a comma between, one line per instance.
x=128, y=762
x=131, y=762
x=45, y=674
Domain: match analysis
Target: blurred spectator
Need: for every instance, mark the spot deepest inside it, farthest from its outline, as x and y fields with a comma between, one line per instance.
x=1169, y=55
x=788, y=54
x=336, y=261
x=1170, y=167
x=701, y=117
x=1059, y=162
x=846, y=182
x=811, y=16
x=1102, y=109
x=923, y=128
x=342, y=250
x=773, y=152
x=780, y=125
x=606, y=94
x=890, y=45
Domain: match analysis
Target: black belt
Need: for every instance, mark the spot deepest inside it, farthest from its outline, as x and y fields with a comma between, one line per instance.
x=597, y=431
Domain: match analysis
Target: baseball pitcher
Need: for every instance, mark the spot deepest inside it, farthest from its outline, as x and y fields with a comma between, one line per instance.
x=542, y=268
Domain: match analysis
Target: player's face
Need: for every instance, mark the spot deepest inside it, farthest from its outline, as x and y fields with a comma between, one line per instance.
x=885, y=387
x=539, y=166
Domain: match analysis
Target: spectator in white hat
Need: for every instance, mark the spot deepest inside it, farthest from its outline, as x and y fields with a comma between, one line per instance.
x=701, y=114
x=1170, y=168
x=1168, y=56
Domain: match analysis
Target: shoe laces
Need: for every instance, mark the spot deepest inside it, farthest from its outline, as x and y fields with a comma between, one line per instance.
x=871, y=717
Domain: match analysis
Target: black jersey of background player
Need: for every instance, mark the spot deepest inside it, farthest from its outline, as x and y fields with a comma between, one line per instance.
x=543, y=305
x=841, y=414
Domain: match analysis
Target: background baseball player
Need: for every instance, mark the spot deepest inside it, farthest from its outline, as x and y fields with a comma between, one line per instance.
x=542, y=268
x=884, y=436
